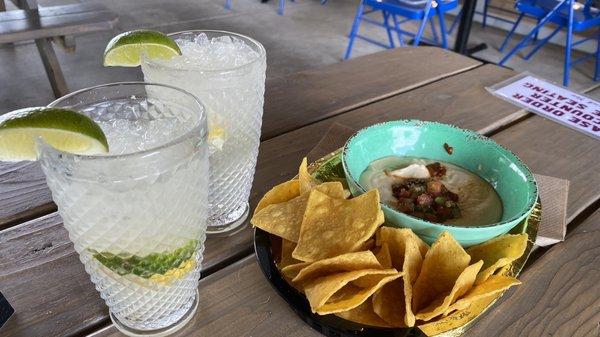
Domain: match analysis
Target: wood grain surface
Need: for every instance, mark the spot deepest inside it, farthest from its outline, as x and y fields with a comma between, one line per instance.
x=290, y=102
x=555, y=150
x=278, y=160
x=23, y=193
x=312, y=95
x=560, y=294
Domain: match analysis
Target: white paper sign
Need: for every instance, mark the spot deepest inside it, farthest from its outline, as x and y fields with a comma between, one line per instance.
x=554, y=102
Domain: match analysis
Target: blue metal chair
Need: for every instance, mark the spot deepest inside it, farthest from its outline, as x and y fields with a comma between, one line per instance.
x=280, y=5
x=412, y=10
x=563, y=14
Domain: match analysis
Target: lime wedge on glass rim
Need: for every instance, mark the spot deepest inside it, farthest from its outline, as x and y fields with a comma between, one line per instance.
x=126, y=49
x=63, y=129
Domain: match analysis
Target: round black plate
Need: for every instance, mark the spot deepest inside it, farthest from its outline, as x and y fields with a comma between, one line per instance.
x=328, y=325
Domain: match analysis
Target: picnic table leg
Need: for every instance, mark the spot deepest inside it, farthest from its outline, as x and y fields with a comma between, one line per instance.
x=55, y=75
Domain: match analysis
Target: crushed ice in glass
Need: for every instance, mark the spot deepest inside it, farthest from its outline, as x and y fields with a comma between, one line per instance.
x=221, y=52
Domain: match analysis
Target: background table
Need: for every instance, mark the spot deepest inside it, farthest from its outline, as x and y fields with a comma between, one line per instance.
x=41, y=276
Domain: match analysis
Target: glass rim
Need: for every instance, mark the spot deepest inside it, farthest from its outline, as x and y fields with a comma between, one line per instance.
x=175, y=141
x=260, y=48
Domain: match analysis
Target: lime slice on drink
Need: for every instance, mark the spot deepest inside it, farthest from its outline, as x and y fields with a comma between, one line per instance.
x=63, y=129
x=125, y=50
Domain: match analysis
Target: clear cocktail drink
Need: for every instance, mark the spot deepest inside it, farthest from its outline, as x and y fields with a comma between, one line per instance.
x=226, y=71
x=137, y=216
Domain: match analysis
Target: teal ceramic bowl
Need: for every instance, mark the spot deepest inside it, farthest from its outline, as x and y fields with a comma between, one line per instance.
x=513, y=181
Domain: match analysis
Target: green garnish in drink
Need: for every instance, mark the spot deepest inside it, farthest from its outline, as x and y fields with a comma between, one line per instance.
x=126, y=49
x=63, y=129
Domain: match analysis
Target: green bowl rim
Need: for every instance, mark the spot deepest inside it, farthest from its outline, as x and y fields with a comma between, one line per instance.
x=415, y=122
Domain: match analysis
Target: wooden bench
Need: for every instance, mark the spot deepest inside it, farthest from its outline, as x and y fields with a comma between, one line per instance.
x=56, y=23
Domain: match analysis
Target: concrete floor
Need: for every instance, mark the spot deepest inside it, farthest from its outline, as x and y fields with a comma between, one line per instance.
x=308, y=35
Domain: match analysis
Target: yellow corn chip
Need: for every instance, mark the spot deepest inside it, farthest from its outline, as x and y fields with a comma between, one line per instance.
x=278, y=194
x=307, y=182
x=406, y=252
x=364, y=314
x=285, y=218
x=401, y=235
x=463, y=283
x=367, y=245
x=442, y=265
x=390, y=304
x=287, y=247
x=282, y=219
x=345, y=291
x=338, y=264
x=292, y=270
x=494, y=286
x=335, y=226
x=383, y=256
x=497, y=253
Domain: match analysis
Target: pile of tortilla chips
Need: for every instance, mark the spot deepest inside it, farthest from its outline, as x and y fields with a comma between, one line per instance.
x=336, y=252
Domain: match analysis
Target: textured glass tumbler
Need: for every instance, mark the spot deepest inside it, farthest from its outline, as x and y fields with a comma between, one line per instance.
x=233, y=97
x=137, y=216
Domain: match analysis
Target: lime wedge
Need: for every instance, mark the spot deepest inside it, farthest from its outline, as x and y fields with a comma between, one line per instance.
x=125, y=50
x=63, y=129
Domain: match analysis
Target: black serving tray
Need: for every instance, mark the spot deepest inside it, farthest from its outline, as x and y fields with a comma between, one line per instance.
x=328, y=325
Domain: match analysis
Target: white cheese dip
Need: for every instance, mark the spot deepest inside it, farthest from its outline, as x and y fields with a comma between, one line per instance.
x=478, y=201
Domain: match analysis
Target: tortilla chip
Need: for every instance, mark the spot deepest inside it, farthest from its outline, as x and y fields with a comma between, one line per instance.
x=278, y=194
x=307, y=182
x=282, y=219
x=390, y=304
x=285, y=218
x=287, y=247
x=383, y=256
x=463, y=283
x=345, y=291
x=291, y=271
x=497, y=253
x=494, y=286
x=364, y=314
x=367, y=245
x=406, y=253
x=338, y=264
x=335, y=226
x=442, y=265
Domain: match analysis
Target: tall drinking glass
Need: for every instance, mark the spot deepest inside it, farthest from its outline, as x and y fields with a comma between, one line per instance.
x=137, y=215
x=226, y=71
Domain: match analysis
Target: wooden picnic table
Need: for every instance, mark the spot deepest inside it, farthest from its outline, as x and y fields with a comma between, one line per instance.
x=41, y=275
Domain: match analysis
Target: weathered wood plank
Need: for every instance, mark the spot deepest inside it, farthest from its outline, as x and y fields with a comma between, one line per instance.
x=560, y=294
x=52, y=67
x=44, y=244
x=294, y=101
x=316, y=94
x=554, y=150
x=47, y=11
x=278, y=160
x=23, y=193
x=43, y=27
